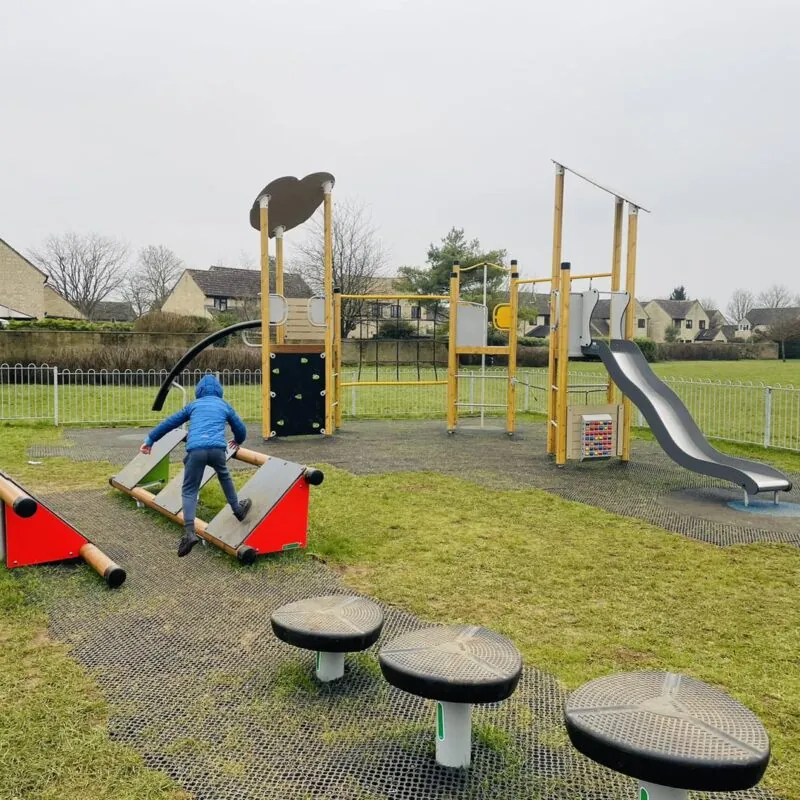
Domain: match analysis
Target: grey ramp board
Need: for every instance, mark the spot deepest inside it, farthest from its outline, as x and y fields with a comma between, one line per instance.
x=170, y=499
x=265, y=489
x=673, y=426
x=134, y=471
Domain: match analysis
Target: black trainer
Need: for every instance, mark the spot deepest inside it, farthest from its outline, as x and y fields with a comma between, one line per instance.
x=244, y=506
x=187, y=542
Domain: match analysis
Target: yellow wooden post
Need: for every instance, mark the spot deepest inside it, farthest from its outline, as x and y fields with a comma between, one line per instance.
x=630, y=317
x=452, y=356
x=330, y=421
x=511, y=395
x=616, y=257
x=266, y=405
x=552, y=357
x=280, y=330
x=562, y=397
x=337, y=351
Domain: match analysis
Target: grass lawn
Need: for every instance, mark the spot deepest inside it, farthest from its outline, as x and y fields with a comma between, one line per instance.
x=53, y=739
x=580, y=591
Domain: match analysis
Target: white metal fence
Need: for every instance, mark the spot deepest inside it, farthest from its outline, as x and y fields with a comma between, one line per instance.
x=739, y=412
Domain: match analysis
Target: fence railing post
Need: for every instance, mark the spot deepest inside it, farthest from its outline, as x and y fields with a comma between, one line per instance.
x=55, y=396
x=767, y=416
x=528, y=395
x=353, y=402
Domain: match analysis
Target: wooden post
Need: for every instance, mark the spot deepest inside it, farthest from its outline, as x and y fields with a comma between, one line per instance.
x=452, y=355
x=513, y=294
x=552, y=356
x=337, y=352
x=630, y=317
x=266, y=409
x=616, y=257
x=562, y=377
x=280, y=330
x=330, y=422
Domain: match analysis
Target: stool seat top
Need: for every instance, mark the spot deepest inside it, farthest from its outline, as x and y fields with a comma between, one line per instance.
x=456, y=664
x=670, y=730
x=330, y=624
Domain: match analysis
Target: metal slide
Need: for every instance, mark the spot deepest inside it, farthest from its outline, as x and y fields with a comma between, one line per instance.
x=673, y=426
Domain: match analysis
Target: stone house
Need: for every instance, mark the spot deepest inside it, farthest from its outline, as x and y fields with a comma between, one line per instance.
x=760, y=320
x=688, y=316
x=24, y=291
x=205, y=293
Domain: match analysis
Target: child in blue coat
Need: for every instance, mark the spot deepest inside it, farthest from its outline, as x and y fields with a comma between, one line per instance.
x=205, y=446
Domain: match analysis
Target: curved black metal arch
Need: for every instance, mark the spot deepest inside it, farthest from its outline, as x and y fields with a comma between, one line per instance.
x=194, y=351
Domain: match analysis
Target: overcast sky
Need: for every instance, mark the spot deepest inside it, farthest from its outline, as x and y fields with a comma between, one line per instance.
x=157, y=122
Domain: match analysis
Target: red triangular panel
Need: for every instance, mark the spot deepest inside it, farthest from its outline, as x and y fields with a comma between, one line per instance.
x=286, y=526
x=39, y=539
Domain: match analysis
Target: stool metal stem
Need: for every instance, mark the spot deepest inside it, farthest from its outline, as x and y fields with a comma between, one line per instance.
x=651, y=791
x=453, y=734
x=330, y=666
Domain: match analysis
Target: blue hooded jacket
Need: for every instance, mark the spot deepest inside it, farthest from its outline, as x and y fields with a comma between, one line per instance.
x=206, y=416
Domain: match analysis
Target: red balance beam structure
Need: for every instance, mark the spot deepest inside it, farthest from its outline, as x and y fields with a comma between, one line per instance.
x=31, y=533
x=279, y=490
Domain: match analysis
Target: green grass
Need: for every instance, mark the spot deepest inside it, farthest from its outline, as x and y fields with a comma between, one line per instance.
x=53, y=739
x=580, y=591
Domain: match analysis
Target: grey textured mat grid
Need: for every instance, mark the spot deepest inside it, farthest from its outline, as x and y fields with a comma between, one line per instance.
x=197, y=683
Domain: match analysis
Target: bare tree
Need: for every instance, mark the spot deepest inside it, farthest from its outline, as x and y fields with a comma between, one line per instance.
x=136, y=291
x=777, y=296
x=159, y=269
x=84, y=269
x=709, y=302
x=358, y=257
x=740, y=305
x=785, y=329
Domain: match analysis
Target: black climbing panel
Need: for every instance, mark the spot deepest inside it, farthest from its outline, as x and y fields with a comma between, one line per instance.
x=298, y=385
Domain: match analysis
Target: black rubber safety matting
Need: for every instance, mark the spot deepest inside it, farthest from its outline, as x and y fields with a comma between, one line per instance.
x=297, y=381
x=197, y=683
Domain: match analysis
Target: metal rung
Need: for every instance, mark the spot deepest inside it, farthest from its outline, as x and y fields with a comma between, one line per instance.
x=482, y=405
x=478, y=375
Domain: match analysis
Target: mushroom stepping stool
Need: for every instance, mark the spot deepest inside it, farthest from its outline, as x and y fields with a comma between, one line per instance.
x=457, y=666
x=671, y=732
x=332, y=626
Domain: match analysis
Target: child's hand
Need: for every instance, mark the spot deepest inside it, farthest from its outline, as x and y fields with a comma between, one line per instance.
x=145, y=448
x=234, y=445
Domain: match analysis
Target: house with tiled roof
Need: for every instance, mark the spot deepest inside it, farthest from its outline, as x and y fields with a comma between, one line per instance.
x=687, y=316
x=24, y=291
x=114, y=311
x=206, y=293
x=760, y=320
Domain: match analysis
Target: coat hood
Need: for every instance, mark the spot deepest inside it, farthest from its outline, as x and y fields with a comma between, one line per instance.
x=208, y=385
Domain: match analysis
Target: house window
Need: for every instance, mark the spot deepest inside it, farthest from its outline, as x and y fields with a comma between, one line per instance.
x=375, y=310
x=415, y=312
x=676, y=323
x=394, y=311
x=642, y=323
x=688, y=324
x=702, y=324
x=221, y=303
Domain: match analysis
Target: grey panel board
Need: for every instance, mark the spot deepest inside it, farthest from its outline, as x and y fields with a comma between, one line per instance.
x=265, y=489
x=135, y=470
x=170, y=497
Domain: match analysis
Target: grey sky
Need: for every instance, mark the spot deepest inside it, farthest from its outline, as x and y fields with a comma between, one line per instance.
x=157, y=121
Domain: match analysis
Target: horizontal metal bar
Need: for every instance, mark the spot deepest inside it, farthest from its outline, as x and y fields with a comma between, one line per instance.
x=519, y=281
x=488, y=350
x=579, y=386
x=481, y=376
x=590, y=275
x=345, y=384
x=395, y=297
x=483, y=405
